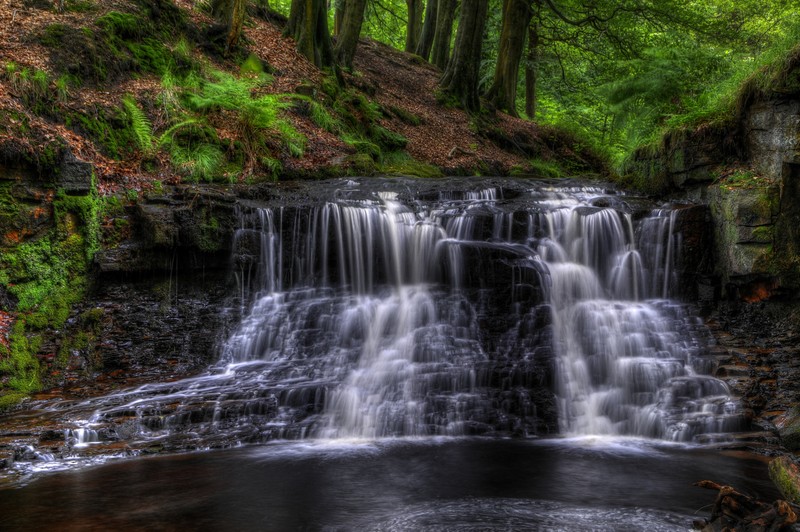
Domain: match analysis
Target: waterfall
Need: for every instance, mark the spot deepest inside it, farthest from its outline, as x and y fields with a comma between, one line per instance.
x=393, y=313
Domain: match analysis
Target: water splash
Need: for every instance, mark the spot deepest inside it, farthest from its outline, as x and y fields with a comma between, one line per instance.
x=381, y=314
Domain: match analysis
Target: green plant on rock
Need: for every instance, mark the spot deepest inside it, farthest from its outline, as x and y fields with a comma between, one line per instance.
x=141, y=128
x=19, y=361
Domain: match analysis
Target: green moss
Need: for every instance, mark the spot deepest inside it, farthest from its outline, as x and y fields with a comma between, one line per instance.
x=405, y=116
x=48, y=276
x=544, y=168
x=782, y=474
x=80, y=6
x=123, y=25
x=9, y=399
x=388, y=140
x=209, y=235
x=19, y=360
x=54, y=35
x=763, y=233
x=402, y=164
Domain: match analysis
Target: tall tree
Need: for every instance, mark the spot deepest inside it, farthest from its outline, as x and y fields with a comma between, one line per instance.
x=532, y=69
x=428, y=28
x=231, y=13
x=308, y=24
x=414, y=24
x=516, y=18
x=347, y=38
x=445, y=15
x=463, y=71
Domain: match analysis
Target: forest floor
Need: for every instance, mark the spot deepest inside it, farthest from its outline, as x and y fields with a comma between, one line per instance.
x=401, y=85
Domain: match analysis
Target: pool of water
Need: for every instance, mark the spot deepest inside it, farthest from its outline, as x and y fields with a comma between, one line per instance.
x=399, y=484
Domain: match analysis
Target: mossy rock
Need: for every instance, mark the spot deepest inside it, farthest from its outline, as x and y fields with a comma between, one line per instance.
x=786, y=476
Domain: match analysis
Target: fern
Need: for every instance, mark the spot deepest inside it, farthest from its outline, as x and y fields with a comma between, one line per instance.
x=140, y=125
x=257, y=118
x=203, y=161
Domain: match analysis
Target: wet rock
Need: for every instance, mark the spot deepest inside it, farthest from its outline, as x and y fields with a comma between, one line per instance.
x=75, y=176
x=788, y=427
x=771, y=133
x=743, y=223
x=785, y=473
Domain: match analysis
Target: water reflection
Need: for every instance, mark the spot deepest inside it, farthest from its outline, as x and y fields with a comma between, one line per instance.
x=432, y=484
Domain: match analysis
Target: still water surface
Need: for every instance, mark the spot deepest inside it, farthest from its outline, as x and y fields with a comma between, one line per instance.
x=432, y=484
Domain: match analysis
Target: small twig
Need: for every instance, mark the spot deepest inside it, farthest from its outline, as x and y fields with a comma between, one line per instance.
x=14, y=16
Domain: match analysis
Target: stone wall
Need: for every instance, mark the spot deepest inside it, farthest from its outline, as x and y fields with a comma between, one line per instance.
x=749, y=175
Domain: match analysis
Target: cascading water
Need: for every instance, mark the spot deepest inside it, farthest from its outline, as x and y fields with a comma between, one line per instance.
x=397, y=314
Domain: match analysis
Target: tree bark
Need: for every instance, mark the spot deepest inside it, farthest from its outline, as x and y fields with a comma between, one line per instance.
x=428, y=29
x=236, y=23
x=338, y=15
x=462, y=74
x=445, y=15
x=231, y=13
x=532, y=70
x=308, y=25
x=347, y=39
x=503, y=92
x=414, y=24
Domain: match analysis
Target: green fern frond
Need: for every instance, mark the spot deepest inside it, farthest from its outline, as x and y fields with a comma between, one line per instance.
x=168, y=136
x=139, y=123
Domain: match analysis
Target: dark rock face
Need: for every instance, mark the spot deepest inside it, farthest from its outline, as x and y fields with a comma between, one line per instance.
x=153, y=328
x=75, y=176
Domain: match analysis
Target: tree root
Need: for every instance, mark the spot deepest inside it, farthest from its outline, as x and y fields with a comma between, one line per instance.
x=734, y=511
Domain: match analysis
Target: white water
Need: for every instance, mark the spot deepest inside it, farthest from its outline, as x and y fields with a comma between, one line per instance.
x=391, y=316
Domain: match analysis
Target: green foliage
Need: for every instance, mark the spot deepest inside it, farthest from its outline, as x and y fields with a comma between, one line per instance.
x=317, y=112
x=257, y=118
x=33, y=85
x=402, y=164
x=80, y=6
x=141, y=128
x=110, y=129
x=123, y=25
x=363, y=145
x=545, y=168
x=202, y=162
x=406, y=116
x=388, y=140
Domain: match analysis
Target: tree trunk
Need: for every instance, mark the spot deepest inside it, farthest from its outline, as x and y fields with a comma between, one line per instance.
x=236, y=22
x=462, y=74
x=308, y=25
x=414, y=24
x=347, y=39
x=503, y=92
x=445, y=15
x=338, y=15
x=231, y=13
x=531, y=70
x=428, y=29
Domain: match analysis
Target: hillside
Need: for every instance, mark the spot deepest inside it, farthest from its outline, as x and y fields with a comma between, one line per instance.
x=128, y=86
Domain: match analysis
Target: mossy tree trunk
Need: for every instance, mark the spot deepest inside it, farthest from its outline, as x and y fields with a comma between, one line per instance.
x=463, y=71
x=308, y=25
x=428, y=28
x=338, y=15
x=445, y=15
x=414, y=24
x=503, y=92
x=231, y=13
x=532, y=70
x=350, y=31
